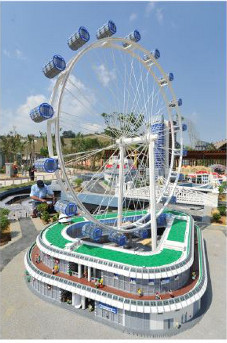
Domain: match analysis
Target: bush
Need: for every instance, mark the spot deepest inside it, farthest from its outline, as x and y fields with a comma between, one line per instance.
x=222, y=210
x=55, y=217
x=45, y=216
x=216, y=217
x=78, y=182
x=4, y=212
x=42, y=207
x=4, y=223
x=2, y=171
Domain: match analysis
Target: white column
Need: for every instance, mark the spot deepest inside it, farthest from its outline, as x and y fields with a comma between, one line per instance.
x=89, y=274
x=83, y=302
x=120, y=184
x=76, y=300
x=152, y=195
x=94, y=272
x=79, y=271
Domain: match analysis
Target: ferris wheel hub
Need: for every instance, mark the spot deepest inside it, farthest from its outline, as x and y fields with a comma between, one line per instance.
x=137, y=140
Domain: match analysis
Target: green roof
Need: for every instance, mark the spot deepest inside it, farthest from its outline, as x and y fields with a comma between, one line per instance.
x=177, y=231
x=176, y=213
x=166, y=256
x=53, y=233
x=115, y=214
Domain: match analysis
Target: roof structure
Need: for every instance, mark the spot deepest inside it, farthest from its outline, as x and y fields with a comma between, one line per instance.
x=165, y=257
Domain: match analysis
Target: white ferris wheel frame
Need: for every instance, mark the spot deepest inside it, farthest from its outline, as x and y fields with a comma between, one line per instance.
x=53, y=126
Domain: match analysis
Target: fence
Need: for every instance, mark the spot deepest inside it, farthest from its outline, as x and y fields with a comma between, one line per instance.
x=20, y=181
x=184, y=195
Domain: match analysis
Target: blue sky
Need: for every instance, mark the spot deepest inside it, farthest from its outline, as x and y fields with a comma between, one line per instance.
x=190, y=36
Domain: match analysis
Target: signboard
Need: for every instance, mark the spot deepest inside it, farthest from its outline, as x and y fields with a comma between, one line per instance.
x=108, y=308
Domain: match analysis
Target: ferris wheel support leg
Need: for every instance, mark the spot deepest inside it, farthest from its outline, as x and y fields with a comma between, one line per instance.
x=120, y=185
x=152, y=196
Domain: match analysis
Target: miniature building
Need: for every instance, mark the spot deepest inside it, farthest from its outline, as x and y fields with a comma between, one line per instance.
x=142, y=291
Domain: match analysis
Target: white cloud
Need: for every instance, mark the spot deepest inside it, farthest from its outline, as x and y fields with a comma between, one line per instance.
x=90, y=127
x=133, y=17
x=77, y=106
x=149, y=8
x=159, y=15
x=104, y=75
x=17, y=53
x=6, y=53
x=20, y=118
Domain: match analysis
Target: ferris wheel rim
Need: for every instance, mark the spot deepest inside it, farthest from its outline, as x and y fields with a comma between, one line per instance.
x=61, y=81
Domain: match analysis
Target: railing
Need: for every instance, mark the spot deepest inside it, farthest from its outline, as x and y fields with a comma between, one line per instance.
x=20, y=181
x=201, y=284
x=184, y=195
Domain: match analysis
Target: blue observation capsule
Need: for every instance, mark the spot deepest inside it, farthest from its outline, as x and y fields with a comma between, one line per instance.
x=42, y=112
x=173, y=104
x=117, y=238
x=141, y=233
x=107, y=30
x=54, y=67
x=185, y=152
x=78, y=39
x=173, y=200
x=66, y=207
x=133, y=36
x=171, y=77
x=147, y=58
x=48, y=165
x=179, y=102
x=156, y=54
x=164, y=81
x=161, y=220
x=184, y=127
x=91, y=231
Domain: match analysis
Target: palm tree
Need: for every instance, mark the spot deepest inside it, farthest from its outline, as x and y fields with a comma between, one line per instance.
x=11, y=145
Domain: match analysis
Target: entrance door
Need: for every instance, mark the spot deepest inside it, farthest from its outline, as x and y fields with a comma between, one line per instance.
x=106, y=314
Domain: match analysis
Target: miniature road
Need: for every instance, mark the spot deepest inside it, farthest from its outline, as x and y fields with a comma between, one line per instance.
x=26, y=316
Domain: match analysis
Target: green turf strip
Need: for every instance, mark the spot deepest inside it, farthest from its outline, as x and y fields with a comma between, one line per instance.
x=177, y=231
x=166, y=256
x=53, y=235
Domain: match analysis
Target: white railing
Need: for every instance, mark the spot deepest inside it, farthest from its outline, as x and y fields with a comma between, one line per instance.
x=20, y=181
x=184, y=195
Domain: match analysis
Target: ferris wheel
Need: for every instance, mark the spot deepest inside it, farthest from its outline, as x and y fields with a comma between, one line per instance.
x=116, y=98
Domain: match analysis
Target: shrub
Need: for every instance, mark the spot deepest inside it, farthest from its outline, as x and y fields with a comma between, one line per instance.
x=216, y=217
x=4, y=223
x=42, y=207
x=4, y=212
x=2, y=171
x=55, y=217
x=222, y=210
x=45, y=216
x=78, y=182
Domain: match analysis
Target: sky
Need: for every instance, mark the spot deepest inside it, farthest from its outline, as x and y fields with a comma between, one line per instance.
x=191, y=37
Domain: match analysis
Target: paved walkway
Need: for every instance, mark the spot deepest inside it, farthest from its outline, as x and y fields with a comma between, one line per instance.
x=28, y=235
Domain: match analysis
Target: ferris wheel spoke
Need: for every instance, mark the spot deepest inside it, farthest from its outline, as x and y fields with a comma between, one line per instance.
x=117, y=97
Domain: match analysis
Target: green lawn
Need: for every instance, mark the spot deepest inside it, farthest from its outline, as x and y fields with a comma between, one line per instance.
x=177, y=231
x=166, y=256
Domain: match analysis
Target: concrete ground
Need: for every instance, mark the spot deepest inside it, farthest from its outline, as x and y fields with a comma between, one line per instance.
x=25, y=316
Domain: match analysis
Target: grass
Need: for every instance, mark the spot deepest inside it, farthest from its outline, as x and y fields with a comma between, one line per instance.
x=177, y=231
x=166, y=256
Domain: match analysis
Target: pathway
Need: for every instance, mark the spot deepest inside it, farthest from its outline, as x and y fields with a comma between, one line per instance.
x=27, y=230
